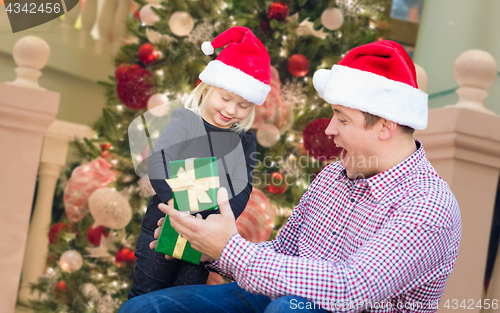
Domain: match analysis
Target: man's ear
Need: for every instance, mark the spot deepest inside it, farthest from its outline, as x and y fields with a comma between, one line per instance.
x=387, y=129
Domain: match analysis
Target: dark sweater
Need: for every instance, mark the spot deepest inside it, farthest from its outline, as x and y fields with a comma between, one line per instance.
x=187, y=135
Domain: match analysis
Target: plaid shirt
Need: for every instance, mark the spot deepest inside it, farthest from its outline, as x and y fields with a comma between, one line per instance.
x=384, y=244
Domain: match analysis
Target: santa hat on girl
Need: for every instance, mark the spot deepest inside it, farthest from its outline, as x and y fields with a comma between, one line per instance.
x=378, y=78
x=243, y=67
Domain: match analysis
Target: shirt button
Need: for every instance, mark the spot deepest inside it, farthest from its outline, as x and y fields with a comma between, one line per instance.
x=334, y=233
x=353, y=200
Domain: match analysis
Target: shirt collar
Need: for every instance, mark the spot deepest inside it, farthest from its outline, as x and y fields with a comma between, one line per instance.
x=381, y=183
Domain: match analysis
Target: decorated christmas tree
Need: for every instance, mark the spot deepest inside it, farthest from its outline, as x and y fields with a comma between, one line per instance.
x=91, y=254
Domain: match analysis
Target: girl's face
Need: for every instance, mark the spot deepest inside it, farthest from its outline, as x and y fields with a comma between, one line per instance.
x=224, y=108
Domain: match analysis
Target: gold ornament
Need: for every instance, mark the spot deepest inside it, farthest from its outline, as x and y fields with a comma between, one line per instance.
x=109, y=208
x=181, y=23
x=148, y=16
x=90, y=291
x=71, y=261
x=332, y=18
x=268, y=135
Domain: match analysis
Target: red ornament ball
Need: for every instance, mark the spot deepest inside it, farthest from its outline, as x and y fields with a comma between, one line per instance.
x=277, y=11
x=148, y=54
x=94, y=234
x=105, y=146
x=135, y=87
x=277, y=184
x=121, y=69
x=125, y=256
x=55, y=230
x=60, y=288
x=137, y=14
x=318, y=144
x=298, y=65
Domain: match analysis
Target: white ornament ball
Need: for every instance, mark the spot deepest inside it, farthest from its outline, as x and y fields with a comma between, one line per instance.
x=158, y=104
x=332, y=18
x=422, y=79
x=181, y=23
x=71, y=261
x=109, y=208
x=268, y=135
x=90, y=291
x=147, y=15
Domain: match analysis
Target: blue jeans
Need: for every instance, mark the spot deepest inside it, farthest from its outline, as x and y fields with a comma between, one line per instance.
x=154, y=272
x=224, y=298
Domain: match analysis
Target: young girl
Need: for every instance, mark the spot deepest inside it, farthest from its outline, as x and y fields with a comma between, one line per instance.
x=214, y=122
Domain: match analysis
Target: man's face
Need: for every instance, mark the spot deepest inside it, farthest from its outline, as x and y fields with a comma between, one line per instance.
x=358, y=143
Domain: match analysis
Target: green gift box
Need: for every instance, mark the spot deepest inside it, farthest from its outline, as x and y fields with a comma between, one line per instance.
x=194, y=183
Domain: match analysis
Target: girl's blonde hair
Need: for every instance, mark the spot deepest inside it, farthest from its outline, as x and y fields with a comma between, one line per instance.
x=202, y=93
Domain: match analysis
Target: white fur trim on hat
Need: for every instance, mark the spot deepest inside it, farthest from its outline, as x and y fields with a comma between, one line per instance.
x=374, y=94
x=236, y=81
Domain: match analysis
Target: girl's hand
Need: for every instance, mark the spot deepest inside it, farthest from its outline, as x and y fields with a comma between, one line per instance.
x=152, y=245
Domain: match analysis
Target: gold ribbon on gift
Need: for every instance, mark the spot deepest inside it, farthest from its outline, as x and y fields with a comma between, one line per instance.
x=196, y=188
x=180, y=245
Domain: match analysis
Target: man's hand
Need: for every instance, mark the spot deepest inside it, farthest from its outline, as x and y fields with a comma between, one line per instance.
x=208, y=236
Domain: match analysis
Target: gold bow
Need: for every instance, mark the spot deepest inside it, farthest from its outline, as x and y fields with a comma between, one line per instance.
x=196, y=188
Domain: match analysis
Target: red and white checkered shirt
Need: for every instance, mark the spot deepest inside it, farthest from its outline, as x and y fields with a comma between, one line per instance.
x=385, y=244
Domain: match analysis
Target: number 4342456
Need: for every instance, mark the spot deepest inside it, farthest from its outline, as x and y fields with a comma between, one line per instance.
x=32, y=8
x=471, y=304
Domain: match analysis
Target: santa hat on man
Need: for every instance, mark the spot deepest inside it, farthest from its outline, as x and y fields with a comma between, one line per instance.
x=378, y=78
x=243, y=67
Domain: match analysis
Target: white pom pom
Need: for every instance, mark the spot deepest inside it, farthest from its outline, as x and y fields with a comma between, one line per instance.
x=207, y=48
x=320, y=80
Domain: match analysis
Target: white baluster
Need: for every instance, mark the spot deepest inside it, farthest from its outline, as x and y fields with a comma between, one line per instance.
x=31, y=54
x=68, y=25
x=89, y=16
x=119, y=30
x=54, y=151
x=462, y=142
x=475, y=71
x=26, y=111
x=105, y=24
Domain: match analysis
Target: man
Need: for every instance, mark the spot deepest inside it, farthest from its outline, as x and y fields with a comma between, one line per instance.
x=377, y=231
